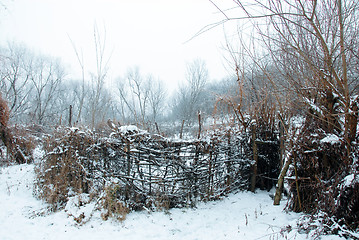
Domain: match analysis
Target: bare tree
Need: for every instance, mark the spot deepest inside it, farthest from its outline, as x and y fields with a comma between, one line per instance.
x=98, y=78
x=157, y=96
x=31, y=85
x=133, y=96
x=15, y=79
x=187, y=100
x=46, y=75
x=82, y=91
x=141, y=98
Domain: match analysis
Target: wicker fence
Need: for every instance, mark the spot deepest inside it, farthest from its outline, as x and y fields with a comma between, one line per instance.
x=147, y=168
x=179, y=171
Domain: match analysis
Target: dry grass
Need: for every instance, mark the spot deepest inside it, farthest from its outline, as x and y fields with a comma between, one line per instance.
x=18, y=143
x=61, y=172
x=4, y=112
x=162, y=202
x=111, y=204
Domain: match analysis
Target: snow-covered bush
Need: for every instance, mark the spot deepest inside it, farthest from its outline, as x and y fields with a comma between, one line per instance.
x=17, y=140
x=323, y=180
x=64, y=171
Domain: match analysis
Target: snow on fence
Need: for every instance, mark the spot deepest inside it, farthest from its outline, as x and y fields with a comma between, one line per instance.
x=147, y=170
x=178, y=172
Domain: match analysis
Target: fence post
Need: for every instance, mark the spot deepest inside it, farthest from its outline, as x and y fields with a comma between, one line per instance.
x=129, y=165
x=210, y=179
x=70, y=116
x=128, y=151
x=199, y=125
x=157, y=129
x=281, y=144
x=229, y=162
x=150, y=174
x=255, y=159
x=181, y=133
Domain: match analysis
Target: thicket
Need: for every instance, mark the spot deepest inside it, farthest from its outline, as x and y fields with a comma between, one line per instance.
x=18, y=142
x=303, y=57
x=323, y=177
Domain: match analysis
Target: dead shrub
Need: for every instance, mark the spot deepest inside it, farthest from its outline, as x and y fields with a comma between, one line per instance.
x=162, y=202
x=112, y=205
x=17, y=147
x=24, y=141
x=320, y=175
x=64, y=171
x=319, y=166
x=4, y=112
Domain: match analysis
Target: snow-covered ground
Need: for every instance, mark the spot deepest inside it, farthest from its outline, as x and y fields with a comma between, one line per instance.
x=240, y=216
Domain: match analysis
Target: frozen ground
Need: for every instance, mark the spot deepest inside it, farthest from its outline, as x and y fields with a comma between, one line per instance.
x=240, y=216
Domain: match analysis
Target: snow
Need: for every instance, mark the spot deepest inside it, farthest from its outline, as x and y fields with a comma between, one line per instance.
x=297, y=122
x=314, y=107
x=128, y=128
x=347, y=181
x=243, y=215
x=330, y=138
x=350, y=180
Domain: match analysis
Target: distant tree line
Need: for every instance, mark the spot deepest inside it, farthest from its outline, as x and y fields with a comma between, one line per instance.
x=38, y=90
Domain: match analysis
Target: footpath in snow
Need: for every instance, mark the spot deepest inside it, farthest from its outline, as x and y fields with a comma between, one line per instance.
x=240, y=216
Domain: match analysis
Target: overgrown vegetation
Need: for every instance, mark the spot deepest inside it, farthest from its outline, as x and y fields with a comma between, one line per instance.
x=18, y=146
x=289, y=118
x=304, y=61
x=62, y=174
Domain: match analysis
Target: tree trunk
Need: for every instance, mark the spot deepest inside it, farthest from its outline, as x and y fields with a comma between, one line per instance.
x=279, y=188
x=353, y=121
x=281, y=144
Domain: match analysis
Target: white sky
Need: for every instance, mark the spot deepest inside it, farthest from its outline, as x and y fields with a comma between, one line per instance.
x=144, y=33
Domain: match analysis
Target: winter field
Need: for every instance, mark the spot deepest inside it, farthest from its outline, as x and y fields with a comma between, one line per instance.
x=240, y=216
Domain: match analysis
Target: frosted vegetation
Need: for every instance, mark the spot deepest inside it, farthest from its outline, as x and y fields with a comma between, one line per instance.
x=269, y=152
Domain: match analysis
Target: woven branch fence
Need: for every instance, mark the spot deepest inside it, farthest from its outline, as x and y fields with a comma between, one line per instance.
x=147, y=169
